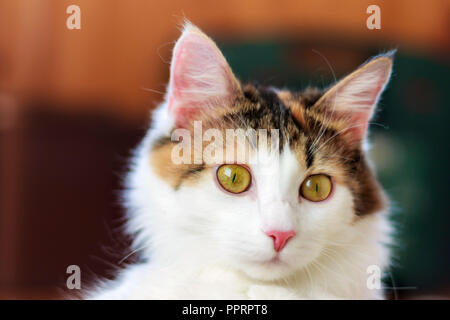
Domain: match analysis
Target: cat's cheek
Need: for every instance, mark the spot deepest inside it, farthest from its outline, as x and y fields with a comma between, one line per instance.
x=338, y=211
x=267, y=272
x=328, y=216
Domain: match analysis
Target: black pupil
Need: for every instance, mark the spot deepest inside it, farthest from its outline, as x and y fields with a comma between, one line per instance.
x=234, y=177
x=317, y=187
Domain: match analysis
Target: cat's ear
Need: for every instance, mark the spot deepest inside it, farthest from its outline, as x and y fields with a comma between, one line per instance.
x=200, y=77
x=352, y=101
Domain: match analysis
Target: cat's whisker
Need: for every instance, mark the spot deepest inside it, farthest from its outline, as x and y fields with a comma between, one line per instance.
x=131, y=253
x=152, y=90
x=311, y=284
x=331, y=254
x=342, y=276
x=337, y=134
x=323, y=127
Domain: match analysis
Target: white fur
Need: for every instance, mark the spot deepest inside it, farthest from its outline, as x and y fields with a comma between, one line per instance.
x=199, y=242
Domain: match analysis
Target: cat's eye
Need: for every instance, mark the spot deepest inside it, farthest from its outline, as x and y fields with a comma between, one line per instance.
x=316, y=187
x=234, y=178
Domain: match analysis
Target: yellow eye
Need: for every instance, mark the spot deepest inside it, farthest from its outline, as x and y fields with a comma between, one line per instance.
x=234, y=178
x=316, y=187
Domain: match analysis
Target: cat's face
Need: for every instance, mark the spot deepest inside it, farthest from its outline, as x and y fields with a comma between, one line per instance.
x=271, y=217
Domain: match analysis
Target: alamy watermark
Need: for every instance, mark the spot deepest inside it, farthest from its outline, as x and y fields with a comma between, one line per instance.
x=374, y=20
x=374, y=277
x=74, y=279
x=217, y=146
x=74, y=20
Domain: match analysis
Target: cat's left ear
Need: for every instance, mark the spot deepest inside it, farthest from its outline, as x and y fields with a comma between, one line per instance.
x=201, y=81
x=351, y=102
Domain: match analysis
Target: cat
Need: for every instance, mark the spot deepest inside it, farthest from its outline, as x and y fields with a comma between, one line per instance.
x=311, y=223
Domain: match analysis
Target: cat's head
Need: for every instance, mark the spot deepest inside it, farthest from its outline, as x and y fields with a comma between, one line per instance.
x=273, y=216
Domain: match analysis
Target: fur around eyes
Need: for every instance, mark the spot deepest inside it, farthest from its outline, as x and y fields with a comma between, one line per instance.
x=309, y=224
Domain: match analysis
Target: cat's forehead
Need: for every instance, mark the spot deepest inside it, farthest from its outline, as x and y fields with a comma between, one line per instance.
x=300, y=125
x=266, y=107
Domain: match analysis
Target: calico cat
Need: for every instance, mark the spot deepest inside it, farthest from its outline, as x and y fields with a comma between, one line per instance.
x=309, y=223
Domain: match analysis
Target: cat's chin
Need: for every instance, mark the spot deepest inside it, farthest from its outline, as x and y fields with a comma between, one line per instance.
x=269, y=270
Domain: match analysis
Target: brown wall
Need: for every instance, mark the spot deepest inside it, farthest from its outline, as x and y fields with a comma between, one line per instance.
x=118, y=49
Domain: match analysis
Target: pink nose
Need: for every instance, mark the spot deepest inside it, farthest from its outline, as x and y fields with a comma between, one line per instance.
x=280, y=238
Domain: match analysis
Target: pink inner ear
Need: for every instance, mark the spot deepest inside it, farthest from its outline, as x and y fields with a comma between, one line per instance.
x=199, y=76
x=357, y=99
x=360, y=117
x=358, y=128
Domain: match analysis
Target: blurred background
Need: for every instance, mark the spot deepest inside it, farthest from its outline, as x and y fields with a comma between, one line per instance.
x=73, y=103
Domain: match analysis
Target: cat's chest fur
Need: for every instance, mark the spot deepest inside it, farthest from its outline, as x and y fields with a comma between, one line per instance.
x=219, y=284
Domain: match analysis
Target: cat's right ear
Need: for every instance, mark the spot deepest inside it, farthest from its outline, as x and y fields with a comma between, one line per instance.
x=200, y=78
